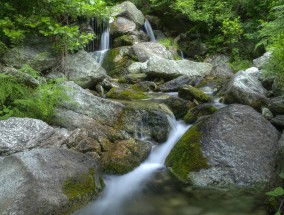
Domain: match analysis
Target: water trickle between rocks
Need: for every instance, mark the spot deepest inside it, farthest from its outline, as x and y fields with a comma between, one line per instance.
x=149, y=30
x=120, y=189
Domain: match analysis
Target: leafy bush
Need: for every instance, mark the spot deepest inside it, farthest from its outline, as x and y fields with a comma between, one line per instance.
x=169, y=42
x=240, y=64
x=17, y=99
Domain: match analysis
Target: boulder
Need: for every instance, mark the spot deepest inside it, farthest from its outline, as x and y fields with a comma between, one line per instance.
x=145, y=86
x=83, y=69
x=137, y=67
x=170, y=69
x=47, y=181
x=222, y=151
x=146, y=120
x=261, y=61
x=126, y=94
x=175, y=84
x=123, y=156
x=245, y=88
x=199, y=111
x=36, y=52
x=278, y=121
x=144, y=51
x=135, y=78
x=116, y=61
x=193, y=48
x=128, y=10
x=266, y=113
x=122, y=26
x=84, y=103
x=276, y=105
x=191, y=93
x=221, y=68
x=178, y=106
x=22, y=134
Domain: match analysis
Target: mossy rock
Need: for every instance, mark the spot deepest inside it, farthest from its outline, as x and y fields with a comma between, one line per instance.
x=196, y=112
x=178, y=106
x=126, y=94
x=188, y=92
x=187, y=155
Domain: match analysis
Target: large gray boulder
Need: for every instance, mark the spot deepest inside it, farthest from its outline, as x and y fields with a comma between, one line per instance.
x=221, y=68
x=276, y=105
x=22, y=134
x=245, y=88
x=47, y=181
x=235, y=146
x=144, y=51
x=163, y=68
x=83, y=69
x=84, y=103
x=36, y=52
x=261, y=61
x=122, y=26
x=128, y=10
x=175, y=84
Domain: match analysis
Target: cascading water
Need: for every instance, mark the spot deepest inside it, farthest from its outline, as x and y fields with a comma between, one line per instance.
x=120, y=189
x=149, y=30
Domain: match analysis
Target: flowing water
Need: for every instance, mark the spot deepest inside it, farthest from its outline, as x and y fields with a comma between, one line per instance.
x=149, y=31
x=104, y=45
x=120, y=189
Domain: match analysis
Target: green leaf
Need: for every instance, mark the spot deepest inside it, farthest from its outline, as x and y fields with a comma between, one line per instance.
x=278, y=213
x=278, y=191
x=6, y=110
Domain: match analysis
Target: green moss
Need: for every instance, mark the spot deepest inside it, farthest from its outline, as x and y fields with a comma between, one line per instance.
x=82, y=186
x=126, y=94
x=187, y=156
x=191, y=93
x=201, y=110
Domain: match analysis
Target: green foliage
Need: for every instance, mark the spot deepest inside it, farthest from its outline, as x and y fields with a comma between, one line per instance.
x=56, y=19
x=240, y=64
x=18, y=99
x=276, y=195
x=169, y=42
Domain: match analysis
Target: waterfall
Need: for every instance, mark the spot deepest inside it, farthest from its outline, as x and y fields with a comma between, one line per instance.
x=102, y=45
x=149, y=30
x=119, y=189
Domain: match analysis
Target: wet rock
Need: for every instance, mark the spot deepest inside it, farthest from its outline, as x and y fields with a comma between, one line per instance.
x=221, y=68
x=128, y=10
x=47, y=181
x=22, y=134
x=170, y=69
x=191, y=93
x=144, y=51
x=199, y=111
x=145, y=86
x=135, y=78
x=245, y=88
x=222, y=151
x=124, y=156
x=276, y=105
x=147, y=120
x=266, y=113
x=137, y=67
x=175, y=84
x=278, y=121
x=36, y=52
x=122, y=26
x=178, y=106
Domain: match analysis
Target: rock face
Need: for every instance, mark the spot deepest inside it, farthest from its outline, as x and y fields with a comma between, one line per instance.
x=128, y=10
x=83, y=69
x=175, y=84
x=259, y=62
x=276, y=105
x=244, y=88
x=170, y=69
x=144, y=51
x=123, y=156
x=122, y=26
x=47, y=181
x=21, y=134
x=37, y=52
x=221, y=66
x=235, y=146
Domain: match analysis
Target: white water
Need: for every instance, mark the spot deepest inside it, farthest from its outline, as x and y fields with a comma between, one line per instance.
x=149, y=30
x=119, y=189
x=104, y=46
